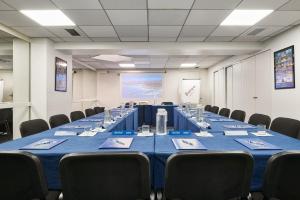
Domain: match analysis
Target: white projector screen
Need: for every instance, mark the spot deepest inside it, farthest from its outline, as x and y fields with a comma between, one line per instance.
x=141, y=85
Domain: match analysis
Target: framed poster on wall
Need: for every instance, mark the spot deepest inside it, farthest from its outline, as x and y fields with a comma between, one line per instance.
x=61, y=68
x=284, y=68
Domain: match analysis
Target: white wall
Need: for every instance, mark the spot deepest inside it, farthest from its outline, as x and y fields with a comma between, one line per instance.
x=84, y=89
x=109, y=92
x=285, y=103
x=7, y=76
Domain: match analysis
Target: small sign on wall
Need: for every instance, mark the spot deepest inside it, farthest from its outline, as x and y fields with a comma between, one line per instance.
x=61, y=68
x=284, y=68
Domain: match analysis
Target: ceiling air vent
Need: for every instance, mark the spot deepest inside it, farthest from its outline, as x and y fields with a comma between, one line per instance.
x=256, y=31
x=72, y=32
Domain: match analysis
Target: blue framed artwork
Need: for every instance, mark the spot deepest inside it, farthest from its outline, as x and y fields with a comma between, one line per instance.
x=61, y=68
x=284, y=68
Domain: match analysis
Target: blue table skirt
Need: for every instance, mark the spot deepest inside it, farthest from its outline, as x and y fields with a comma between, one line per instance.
x=147, y=114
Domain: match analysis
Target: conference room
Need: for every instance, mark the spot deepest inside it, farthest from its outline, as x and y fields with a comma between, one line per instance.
x=149, y=99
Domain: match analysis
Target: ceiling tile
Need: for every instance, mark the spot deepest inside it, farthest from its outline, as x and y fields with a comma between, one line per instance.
x=134, y=39
x=124, y=4
x=170, y=4
x=76, y=39
x=167, y=17
x=266, y=30
x=61, y=32
x=4, y=6
x=78, y=4
x=191, y=39
x=158, y=61
x=219, y=39
x=196, y=31
x=99, y=31
x=34, y=31
x=248, y=39
x=292, y=5
x=105, y=39
x=229, y=31
x=30, y=4
x=15, y=18
x=215, y=4
x=281, y=18
x=56, y=39
x=128, y=17
x=88, y=17
x=132, y=31
x=164, y=31
x=162, y=39
x=207, y=17
x=261, y=4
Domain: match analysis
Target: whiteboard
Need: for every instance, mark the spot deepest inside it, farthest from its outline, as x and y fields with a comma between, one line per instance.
x=190, y=91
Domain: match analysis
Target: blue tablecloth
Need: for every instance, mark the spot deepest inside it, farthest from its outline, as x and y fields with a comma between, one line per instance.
x=164, y=146
x=147, y=114
x=75, y=144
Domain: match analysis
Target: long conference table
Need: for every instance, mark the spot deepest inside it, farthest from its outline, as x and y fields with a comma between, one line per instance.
x=157, y=148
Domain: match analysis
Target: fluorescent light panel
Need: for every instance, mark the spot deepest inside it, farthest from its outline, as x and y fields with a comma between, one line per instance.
x=113, y=58
x=48, y=17
x=245, y=17
x=188, y=64
x=127, y=65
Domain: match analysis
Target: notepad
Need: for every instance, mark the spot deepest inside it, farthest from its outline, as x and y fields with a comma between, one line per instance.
x=235, y=133
x=221, y=120
x=65, y=133
x=262, y=134
x=257, y=144
x=116, y=143
x=145, y=134
x=239, y=126
x=90, y=120
x=88, y=134
x=74, y=127
x=187, y=144
x=204, y=134
x=44, y=144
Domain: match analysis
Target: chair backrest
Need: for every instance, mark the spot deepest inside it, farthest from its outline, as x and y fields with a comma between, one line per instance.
x=89, y=112
x=106, y=176
x=99, y=110
x=207, y=108
x=208, y=175
x=257, y=119
x=76, y=115
x=225, y=112
x=58, y=120
x=22, y=177
x=167, y=103
x=33, y=126
x=238, y=115
x=286, y=126
x=214, y=109
x=282, y=175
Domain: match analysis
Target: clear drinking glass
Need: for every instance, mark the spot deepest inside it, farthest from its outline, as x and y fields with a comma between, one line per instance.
x=145, y=129
x=261, y=126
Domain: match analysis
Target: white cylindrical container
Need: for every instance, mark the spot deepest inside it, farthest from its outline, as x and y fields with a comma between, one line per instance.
x=161, y=122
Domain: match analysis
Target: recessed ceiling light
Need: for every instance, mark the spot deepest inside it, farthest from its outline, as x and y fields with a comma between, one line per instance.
x=48, y=17
x=127, y=65
x=245, y=17
x=113, y=58
x=188, y=64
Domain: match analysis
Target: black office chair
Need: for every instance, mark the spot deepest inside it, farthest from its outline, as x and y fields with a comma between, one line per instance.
x=214, y=109
x=6, y=124
x=282, y=175
x=108, y=176
x=207, y=108
x=33, y=126
x=286, y=126
x=167, y=103
x=58, y=120
x=99, y=110
x=76, y=115
x=257, y=119
x=127, y=105
x=89, y=112
x=22, y=177
x=225, y=112
x=208, y=175
x=238, y=115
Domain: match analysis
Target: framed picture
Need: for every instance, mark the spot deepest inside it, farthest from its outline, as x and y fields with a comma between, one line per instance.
x=61, y=68
x=284, y=68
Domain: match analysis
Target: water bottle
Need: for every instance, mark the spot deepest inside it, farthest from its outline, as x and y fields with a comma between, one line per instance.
x=200, y=110
x=161, y=122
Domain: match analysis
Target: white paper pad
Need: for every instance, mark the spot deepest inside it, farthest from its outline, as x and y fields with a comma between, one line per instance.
x=149, y=134
x=235, y=133
x=88, y=134
x=262, y=134
x=204, y=134
x=65, y=133
x=98, y=129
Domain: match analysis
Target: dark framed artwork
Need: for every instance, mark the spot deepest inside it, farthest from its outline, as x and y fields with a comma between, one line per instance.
x=61, y=68
x=284, y=68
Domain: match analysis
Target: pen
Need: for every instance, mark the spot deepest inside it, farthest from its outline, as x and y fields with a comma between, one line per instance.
x=119, y=142
x=256, y=143
x=186, y=142
x=42, y=143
